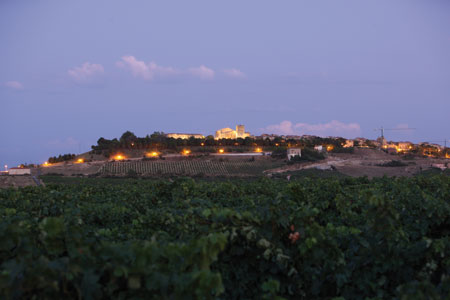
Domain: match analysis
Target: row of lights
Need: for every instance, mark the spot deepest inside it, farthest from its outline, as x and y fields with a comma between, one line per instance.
x=187, y=152
x=184, y=152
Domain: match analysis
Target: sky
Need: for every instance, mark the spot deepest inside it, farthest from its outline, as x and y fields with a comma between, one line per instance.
x=74, y=71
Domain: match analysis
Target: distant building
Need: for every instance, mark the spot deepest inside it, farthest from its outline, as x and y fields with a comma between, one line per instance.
x=185, y=136
x=271, y=137
x=291, y=152
x=404, y=146
x=228, y=133
x=349, y=144
x=318, y=148
x=382, y=142
x=309, y=137
x=361, y=142
x=19, y=171
x=293, y=137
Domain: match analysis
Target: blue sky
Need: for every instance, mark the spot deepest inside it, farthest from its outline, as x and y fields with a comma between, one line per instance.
x=72, y=72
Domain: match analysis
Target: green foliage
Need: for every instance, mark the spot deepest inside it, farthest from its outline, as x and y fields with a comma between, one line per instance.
x=343, y=150
x=279, y=153
x=160, y=141
x=127, y=137
x=308, y=155
x=186, y=239
x=61, y=158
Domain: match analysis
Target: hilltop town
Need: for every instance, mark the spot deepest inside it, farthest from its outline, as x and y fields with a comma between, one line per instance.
x=239, y=153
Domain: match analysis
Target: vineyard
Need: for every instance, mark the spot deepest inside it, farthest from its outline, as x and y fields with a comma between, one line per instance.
x=334, y=238
x=190, y=167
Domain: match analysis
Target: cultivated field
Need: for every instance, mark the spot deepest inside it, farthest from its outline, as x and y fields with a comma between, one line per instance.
x=189, y=167
x=349, y=238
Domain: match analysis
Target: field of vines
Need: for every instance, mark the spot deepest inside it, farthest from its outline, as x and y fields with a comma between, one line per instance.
x=189, y=167
x=333, y=238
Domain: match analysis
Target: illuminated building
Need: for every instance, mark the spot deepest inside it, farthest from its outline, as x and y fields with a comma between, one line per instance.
x=228, y=133
x=185, y=136
x=318, y=148
x=348, y=144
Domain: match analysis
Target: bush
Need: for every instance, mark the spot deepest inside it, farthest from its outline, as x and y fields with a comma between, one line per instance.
x=343, y=150
x=279, y=153
x=308, y=155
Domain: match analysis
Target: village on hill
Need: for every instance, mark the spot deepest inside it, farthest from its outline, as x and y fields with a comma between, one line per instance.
x=239, y=153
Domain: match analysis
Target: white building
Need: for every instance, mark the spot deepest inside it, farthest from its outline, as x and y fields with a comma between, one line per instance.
x=185, y=136
x=19, y=171
x=292, y=152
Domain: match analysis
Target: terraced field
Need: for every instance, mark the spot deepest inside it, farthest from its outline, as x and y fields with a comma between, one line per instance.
x=211, y=168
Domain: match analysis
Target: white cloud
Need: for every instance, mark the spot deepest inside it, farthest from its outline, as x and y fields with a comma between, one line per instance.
x=333, y=128
x=234, y=73
x=86, y=73
x=145, y=71
x=152, y=71
x=202, y=72
x=14, y=85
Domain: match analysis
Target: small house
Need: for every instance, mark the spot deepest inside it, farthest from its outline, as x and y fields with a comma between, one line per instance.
x=19, y=171
x=292, y=152
x=318, y=148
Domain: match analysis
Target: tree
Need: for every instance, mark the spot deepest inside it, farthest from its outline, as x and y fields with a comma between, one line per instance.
x=128, y=137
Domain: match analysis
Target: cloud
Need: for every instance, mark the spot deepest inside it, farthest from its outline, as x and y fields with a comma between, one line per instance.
x=86, y=73
x=234, y=73
x=333, y=128
x=202, y=72
x=146, y=71
x=152, y=71
x=14, y=85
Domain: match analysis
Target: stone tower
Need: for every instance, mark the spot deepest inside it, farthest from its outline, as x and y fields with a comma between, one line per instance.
x=240, y=131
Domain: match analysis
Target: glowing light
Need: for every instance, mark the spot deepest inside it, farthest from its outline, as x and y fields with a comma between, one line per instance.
x=186, y=151
x=119, y=157
x=330, y=147
x=46, y=164
x=221, y=151
x=132, y=144
x=80, y=161
x=258, y=150
x=277, y=144
x=202, y=144
x=152, y=154
x=447, y=155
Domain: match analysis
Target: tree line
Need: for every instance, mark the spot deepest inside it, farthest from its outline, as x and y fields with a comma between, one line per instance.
x=158, y=140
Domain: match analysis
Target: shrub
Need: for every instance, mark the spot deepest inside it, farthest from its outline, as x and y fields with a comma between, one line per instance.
x=308, y=154
x=343, y=150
